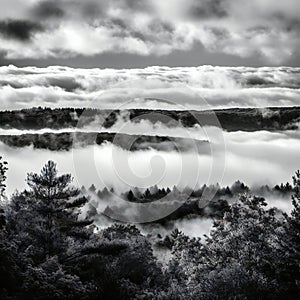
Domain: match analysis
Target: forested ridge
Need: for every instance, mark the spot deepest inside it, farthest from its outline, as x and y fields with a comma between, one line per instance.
x=193, y=203
x=66, y=141
x=49, y=250
x=232, y=119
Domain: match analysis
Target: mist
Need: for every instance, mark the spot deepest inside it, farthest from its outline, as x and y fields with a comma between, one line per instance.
x=255, y=158
x=192, y=88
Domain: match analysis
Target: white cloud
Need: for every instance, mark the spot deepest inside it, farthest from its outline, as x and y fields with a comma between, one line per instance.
x=71, y=27
x=153, y=87
x=256, y=158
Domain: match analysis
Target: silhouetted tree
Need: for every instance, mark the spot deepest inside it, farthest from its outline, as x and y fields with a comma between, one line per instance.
x=228, y=191
x=289, y=240
x=51, y=245
x=136, y=268
x=239, y=188
x=147, y=194
x=50, y=211
x=3, y=169
x=92, y=188
x=130, y=196
x=244, y=256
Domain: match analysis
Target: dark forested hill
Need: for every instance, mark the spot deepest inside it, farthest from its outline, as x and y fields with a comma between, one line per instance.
x=66, y=140
x=234, y=119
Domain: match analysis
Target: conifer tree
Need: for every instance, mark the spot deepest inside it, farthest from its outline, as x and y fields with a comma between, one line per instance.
x=3, y=169
x=289, y=240
x=46, y=217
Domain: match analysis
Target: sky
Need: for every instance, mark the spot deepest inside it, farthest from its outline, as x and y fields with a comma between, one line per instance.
x=141, y=33
x=59, y=53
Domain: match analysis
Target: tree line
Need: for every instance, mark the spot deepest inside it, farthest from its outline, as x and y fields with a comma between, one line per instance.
x=232, y=119
x=49, y=251
x=155, y=193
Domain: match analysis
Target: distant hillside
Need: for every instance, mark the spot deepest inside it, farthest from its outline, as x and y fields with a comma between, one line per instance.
x=245, y=119
x=65, y=141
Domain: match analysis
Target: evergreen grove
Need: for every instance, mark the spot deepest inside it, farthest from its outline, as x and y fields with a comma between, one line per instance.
x=48, y=251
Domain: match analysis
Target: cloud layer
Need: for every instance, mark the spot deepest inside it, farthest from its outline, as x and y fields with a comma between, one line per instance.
x=256, y=158
x=153, y=87
x=64, y=28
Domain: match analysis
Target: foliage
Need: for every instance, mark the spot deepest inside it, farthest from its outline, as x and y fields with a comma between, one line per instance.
x=49, y=250
x=3, y=169
x=45, y=243
x=243, y=257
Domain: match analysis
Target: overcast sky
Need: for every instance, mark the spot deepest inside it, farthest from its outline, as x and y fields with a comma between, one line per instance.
x=139, y=33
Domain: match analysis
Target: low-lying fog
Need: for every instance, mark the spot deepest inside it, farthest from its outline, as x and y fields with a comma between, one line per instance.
x=256, y=158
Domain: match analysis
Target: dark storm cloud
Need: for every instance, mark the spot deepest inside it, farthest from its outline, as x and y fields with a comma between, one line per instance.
x=258, y=81
x=219, y=33
x=119, y=23
x=66, y=83
x=21, y=30
x=135, y=5
x=48, y=9
x=94, y=8
x=161, y=27
x=294, y=25
x=288, y=24
x=91, y=9
x=258, y=30
x=157, y=31
x=208, y=9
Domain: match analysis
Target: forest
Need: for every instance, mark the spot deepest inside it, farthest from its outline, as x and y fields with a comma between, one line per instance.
x=65, y=141
x=49, y=249
x=231, y=119
x=149, y=150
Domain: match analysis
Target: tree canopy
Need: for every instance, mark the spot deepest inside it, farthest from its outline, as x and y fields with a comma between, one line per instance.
x=49, y=249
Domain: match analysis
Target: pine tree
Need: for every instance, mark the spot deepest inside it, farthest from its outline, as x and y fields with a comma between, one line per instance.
x=130, y=196
x=3, y=169
x=46, y=217
x=147, y=194
x=240, y=259
x=92, y=188
x=48, y=247
x=136, y=268
x=289, y=240
x=296, y=202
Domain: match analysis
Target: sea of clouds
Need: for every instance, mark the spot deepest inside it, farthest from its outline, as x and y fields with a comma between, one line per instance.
x=256, y=158
x=204, y=87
